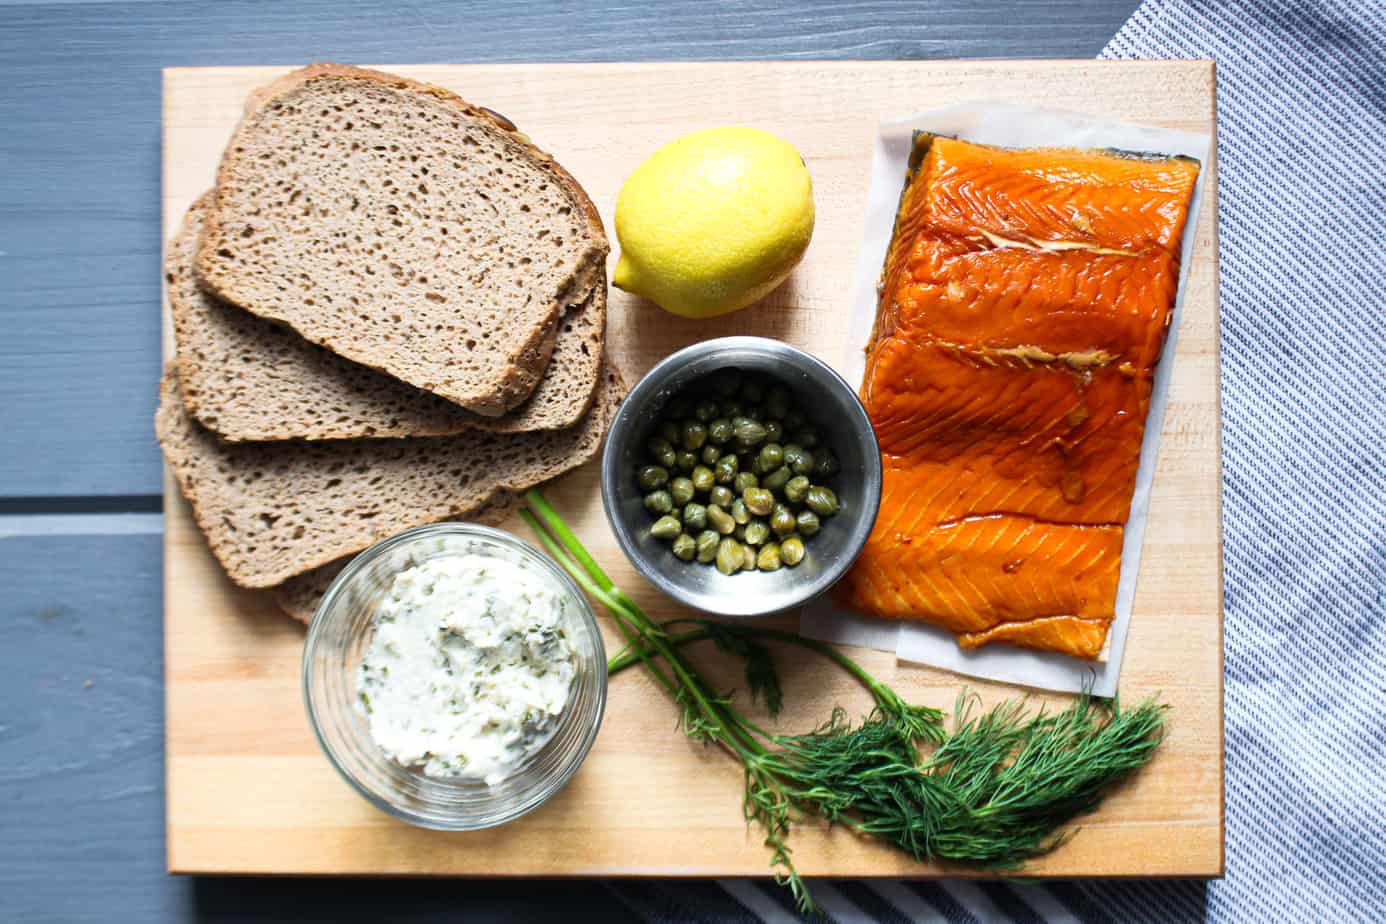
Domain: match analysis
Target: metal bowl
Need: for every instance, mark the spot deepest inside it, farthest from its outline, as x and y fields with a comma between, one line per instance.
x=830, y=403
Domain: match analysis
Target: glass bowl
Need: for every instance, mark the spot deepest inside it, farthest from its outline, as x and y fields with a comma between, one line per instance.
x=340, y=635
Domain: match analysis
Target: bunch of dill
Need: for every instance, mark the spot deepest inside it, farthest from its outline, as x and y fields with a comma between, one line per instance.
x=994, y=789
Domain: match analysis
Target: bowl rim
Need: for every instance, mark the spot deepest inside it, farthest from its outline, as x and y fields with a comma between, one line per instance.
x=591, y=724
x=629, y=416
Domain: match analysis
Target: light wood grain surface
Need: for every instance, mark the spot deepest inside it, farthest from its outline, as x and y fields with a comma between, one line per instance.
x=80, y=233
x=248, y=791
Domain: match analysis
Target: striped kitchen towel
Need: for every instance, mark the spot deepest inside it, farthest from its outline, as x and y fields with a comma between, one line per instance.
x=1302, y=170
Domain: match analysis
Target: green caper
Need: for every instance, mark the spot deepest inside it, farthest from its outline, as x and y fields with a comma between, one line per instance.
x=821, y=501
x=799, y=459
x=710, y=454
x=695, y=516
x=782, y=521
x=739, y=512
x=731, y=408
x=744, y=480
x=796, y=488
x=659, y=502
x=774, y=431
x=669, y=432
x=722, y=496
x=730, y=558
x=759, y=501
x=752, y=388
x=694, y=435
x=662, y=451
x=748, y=432
x=807, y=522
x=769, y=557
x=757, y=531
x=739, y=534
x=726, y=382
x=720, y=520
x=686, y=461
x=806, y=437
x=777, y=479
x=792, y=551
x=719, y=431
x=651, y=477
x=681, y=490
x=702, y=478
x=793, y=419
x=771, y=456
x=748, y=558
x=777, y=402
x=825, y=464
x=705, y=410
x=725, y=469
x=707, y=545
x=666, y=527
x=684, y=547
x=678, y=409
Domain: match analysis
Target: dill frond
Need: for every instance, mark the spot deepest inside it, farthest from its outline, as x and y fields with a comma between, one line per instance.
x=995, y=790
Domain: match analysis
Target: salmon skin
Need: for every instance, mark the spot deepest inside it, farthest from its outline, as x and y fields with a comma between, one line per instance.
x=1025, y=301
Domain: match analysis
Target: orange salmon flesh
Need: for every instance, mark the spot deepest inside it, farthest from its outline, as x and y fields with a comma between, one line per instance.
x=1025, y=302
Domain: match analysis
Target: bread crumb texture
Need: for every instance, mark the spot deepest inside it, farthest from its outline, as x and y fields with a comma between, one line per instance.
x=248, y=378
x=404, y=229
x=274, y=510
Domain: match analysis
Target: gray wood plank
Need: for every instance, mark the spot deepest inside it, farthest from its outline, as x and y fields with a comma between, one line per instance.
x=81, y=763
x=81, y=769
x=79, y=157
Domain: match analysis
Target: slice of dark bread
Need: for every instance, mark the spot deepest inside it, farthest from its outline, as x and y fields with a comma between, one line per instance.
x=403, y=228
x=274, y=510
x=248, y=378
x=299, y=596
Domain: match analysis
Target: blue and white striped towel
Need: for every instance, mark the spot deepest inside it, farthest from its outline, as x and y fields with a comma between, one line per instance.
x=1302, y=170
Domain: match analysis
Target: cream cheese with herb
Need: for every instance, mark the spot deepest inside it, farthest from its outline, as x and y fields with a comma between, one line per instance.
x=469, y=667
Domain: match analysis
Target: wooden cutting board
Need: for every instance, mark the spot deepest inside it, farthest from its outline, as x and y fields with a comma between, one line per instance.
x=248, y=790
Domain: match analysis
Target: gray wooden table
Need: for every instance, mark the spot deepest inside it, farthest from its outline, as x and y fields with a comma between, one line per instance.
x=81, y=699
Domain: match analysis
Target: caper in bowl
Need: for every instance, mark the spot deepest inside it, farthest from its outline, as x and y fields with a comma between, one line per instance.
x=737, y=419
x=779, y=494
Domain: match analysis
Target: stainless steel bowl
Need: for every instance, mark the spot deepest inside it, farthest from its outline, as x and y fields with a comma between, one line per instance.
x=834, y=408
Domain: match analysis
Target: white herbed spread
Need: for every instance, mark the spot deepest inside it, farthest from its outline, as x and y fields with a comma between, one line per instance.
x=469, y=667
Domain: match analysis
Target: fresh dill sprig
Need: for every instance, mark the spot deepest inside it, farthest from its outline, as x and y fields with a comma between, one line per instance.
x=994, y=790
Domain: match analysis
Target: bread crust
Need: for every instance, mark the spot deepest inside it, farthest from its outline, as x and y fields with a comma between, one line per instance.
x=528, y=358
x=270, y=511
x=264, y=399
x=299, y=596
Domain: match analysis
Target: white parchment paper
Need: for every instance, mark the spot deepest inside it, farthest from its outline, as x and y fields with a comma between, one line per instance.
x=1008, y=126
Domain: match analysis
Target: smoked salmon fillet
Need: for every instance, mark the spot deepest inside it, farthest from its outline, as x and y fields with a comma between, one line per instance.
x=1025, y=301
x=977, y=434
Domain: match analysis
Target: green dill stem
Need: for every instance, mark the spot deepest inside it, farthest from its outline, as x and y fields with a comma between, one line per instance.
x=588, y=575
x=565, y=535
x=822, y=648
x=634, y=654
x=627, y=616
x=620, y=617
x=571, y=542
x=996, y=790
x=884, y=695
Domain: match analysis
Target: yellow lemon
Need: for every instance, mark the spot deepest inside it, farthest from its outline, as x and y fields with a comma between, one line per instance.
x=713, y=221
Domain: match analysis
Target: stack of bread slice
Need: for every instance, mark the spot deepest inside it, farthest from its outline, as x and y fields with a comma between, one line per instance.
x=389, y=311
